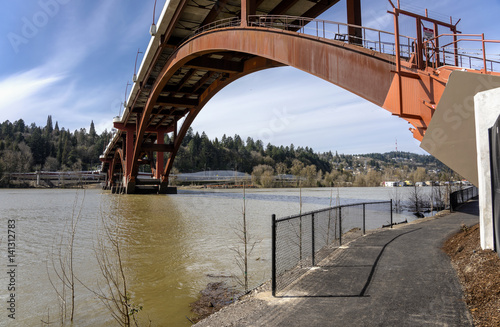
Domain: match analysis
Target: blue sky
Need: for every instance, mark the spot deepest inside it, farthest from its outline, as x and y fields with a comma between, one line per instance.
x=72, y=59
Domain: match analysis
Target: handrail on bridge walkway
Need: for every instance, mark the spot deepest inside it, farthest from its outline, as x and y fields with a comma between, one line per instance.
x=451, y=51
x=373, y=39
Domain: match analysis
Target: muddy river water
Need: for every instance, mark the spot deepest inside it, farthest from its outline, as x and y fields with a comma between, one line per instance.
x=171, y=245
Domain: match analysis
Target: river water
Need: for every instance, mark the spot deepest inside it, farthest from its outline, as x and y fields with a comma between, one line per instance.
x=171, y=245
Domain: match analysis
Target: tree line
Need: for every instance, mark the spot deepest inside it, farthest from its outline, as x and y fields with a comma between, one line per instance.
x=27, y=148
x=266, y=163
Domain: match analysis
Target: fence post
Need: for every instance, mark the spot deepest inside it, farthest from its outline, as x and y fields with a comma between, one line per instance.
x=312, y=239
x=451, y=203
x=391, y=213
x=273, y=255
x=364, y=219
x=340, y=225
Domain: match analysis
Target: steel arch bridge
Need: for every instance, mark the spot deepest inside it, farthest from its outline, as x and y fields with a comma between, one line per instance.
x=199, y=47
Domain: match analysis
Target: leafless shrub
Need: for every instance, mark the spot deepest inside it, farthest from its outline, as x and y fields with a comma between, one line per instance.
x=112, y=290
x=62, y=259
x=244, y=248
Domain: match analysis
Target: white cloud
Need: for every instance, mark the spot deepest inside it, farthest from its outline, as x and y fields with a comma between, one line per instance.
x=63, y=86
x=23, y=93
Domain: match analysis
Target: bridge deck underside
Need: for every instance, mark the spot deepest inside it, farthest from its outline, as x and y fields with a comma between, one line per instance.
x=187, y=17
x=179, y=20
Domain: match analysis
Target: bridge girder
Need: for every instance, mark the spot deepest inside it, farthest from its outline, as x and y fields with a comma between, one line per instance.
x=361, y=71
x=186, y=71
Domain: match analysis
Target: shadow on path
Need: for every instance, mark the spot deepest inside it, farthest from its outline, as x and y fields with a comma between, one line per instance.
x=469, y=207
x=348, y=272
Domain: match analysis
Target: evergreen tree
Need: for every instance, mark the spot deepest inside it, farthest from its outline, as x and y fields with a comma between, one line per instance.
x=48, y=127
x=92, y=132
x=19, y=126
x=37, y=145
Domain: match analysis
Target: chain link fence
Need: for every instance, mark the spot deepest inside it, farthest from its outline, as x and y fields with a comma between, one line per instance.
x=300, y=242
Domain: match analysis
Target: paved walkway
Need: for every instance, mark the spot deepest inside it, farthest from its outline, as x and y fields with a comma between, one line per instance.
x=396, y=277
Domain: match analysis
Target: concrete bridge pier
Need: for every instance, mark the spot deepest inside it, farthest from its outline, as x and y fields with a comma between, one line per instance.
x=458, y=136
x=165, y=189
x=130, y=188
x=486, y=113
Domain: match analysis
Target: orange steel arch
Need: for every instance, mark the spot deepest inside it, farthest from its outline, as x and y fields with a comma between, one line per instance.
x=117, y=158
x=364, y=72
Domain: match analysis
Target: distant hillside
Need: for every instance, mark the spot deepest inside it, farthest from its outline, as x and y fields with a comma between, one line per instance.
x=26, y=148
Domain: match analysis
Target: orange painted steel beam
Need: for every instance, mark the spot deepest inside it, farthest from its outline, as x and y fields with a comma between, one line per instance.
x=118, y=157
x=158, y=147
x=354, y=18
x=248, y=8
x=129, y=160
x=132, y=128
x=356, y=69
x=160, y=140
x=406, y=92
x=253, y=65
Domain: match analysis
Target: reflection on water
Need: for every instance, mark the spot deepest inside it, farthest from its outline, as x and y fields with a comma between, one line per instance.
x=172, y=245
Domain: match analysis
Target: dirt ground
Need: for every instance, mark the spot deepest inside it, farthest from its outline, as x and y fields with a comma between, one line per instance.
x=479, y=273
x=213, y=298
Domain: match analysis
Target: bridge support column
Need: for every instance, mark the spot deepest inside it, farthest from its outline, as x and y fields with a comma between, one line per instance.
x=129, y=180
x=165, y=189
x=129, y=153
x=248, y=7
x=354, y=18
x=486, y=112
x=160, y=139
x=130, y=186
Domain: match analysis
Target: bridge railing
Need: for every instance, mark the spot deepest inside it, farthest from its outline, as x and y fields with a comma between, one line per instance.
x=451, y=53
x=461, y=196
x=458, y=51
x=222, y=23
x=370, y=38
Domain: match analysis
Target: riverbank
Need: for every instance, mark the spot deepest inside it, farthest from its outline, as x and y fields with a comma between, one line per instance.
x=404, y=285
x=479, y=275
x=32, y=185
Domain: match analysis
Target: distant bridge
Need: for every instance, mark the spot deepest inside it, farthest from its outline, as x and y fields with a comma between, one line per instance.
x=199, y=47
x=58, y=178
